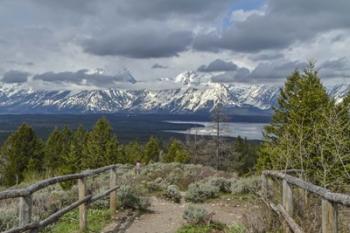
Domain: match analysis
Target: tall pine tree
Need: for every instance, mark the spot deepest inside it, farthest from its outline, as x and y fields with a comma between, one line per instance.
x=22, y=152
x=303, y=132
x=176, y=153
x=152, y=150
x=102, y=147
x=57, y=146
x=133, y=152
x=72, y=160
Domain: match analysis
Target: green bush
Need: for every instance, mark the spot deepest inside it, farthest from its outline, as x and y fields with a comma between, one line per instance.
x=223, y=184
x=130, y=198
x=246, y=185
x=199, y=192
x=197, y=216
x=173, y=193
x=156, y=185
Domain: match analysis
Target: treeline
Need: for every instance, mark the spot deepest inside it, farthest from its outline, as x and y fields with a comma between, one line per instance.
x=309, y=131
x=68, y=151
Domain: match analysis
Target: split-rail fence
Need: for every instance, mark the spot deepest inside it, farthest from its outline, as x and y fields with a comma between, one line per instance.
x=26, y=204
x=330, y=201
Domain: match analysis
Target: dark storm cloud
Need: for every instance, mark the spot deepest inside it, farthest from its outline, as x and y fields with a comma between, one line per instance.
x=270, y=71
x=83, y=77
x=283, y=23
x=240, y=75
x=204, y=9
x=140, y=44
x=338, y=64
x=267, y=72
x=128, y=28
x=264, y=72
x=336, y=68
x=15, y=76
x=81, y=6
x=218, y=65
x=139, y=29
x=267, y=56
x=159, y=66
x=136, y=9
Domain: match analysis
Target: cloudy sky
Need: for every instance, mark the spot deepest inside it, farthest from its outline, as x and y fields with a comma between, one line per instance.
x=69, y=43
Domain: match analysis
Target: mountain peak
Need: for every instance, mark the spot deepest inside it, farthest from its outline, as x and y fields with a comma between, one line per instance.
x=125, y=76
x=197, y=94
x=193, y=78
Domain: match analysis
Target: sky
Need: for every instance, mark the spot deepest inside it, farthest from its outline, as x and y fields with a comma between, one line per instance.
x=113, y=43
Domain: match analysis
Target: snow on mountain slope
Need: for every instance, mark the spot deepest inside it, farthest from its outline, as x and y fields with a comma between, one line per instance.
x=197, y=94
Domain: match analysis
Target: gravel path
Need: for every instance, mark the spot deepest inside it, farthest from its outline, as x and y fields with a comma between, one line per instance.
x=166, y=217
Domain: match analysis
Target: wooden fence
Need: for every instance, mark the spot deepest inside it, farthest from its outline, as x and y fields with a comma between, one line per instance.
x=25, y=199
x=330, y=201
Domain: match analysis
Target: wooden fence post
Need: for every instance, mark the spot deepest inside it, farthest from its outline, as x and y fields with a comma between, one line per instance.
x=113, y=195
x=25, y=210
x=329, y=217
x=83, y=206
x=287, y=201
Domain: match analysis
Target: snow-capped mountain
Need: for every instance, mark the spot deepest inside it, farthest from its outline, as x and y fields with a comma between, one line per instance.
x=197, y=93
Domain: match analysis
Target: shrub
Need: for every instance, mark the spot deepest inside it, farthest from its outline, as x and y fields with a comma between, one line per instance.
x=223, y=184
x=237, y=229
x=181, y=175
x=8, y=219
x=156, y=185
x=199, y=192
x=153, y=187
x=197, y=216
x=173, y=193
x=130, y=198
x=246, y=185
x=214, y=227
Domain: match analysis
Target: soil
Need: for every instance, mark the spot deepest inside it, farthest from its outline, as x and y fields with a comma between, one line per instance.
x=166, y=216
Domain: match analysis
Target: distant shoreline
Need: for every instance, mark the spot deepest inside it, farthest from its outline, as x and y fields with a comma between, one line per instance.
x=128, y=127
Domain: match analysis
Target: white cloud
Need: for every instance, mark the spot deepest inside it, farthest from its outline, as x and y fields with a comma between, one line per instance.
x=242, y=15
x=39, y=36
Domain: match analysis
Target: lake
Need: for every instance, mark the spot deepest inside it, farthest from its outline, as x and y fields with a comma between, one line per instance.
x=130, y=127
x=249, y=130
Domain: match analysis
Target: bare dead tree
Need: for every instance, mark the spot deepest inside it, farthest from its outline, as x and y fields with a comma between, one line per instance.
x=218, y=117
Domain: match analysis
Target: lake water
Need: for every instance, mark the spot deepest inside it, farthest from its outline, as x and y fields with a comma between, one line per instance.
x=228, y=129
x=136, y=127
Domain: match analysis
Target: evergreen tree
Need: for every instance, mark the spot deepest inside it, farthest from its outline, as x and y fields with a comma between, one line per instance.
x=176, y=153
x=22, y=152
x=133, y=152
x=72, y=160
x=302, y=133
x=102, y=146
x=244, y=156
x=57, y=146
x=152, y=150
x=300, y=105
x=67, y=135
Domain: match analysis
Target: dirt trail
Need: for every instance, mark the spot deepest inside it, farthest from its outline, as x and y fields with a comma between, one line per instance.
x=166, y=217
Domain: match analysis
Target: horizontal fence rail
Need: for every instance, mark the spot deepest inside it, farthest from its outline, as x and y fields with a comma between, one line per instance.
x=25, y=199
x=330, y=201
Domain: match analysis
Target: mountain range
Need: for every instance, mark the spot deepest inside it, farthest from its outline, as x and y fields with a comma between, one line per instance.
x=193, y=92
